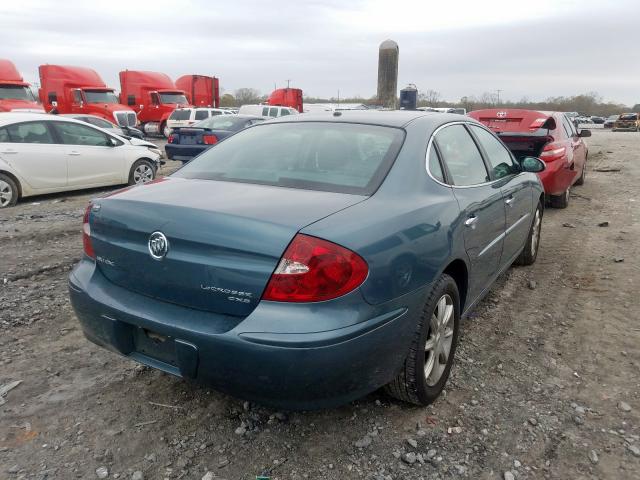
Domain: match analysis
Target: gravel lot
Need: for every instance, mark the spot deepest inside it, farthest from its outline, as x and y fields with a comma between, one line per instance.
x=546, y=383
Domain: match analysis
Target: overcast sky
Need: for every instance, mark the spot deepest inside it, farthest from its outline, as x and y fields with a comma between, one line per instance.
x=533, y=49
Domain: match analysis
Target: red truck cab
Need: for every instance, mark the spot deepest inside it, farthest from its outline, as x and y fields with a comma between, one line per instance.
x=15, y=93
x=200, y=90
x=68, y=89
x=286, y=97
x=153, y=96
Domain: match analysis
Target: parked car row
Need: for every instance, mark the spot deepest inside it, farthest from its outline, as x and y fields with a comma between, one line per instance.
x=42, y=153
x=627, y=122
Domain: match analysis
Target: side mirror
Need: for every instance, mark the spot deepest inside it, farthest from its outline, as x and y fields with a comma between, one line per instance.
x=532, y=164
x=112, y=142
x=584, y=133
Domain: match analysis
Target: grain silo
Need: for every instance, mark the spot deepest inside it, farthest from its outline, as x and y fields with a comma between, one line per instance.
x=388, y=74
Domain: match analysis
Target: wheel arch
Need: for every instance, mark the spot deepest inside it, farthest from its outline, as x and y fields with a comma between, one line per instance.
x=457, y=269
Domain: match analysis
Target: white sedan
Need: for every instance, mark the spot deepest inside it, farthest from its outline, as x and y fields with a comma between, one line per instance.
x=42, y=153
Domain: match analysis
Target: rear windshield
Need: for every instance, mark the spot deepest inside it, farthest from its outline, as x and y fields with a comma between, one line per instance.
x=180, y=115
x=629, y=116
x=327, y=156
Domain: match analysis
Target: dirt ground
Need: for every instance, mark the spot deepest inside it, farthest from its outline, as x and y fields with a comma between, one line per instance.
x=546, y=382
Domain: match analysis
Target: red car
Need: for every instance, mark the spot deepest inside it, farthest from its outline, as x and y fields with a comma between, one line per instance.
x=550, y=136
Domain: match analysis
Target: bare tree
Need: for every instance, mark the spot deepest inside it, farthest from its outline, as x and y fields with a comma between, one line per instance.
x=246, y=96
x=431, y=98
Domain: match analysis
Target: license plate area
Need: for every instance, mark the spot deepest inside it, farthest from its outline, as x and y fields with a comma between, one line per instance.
x=155, y=345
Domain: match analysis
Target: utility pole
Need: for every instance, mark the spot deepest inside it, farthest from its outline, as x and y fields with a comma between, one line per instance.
x=338, y=96
x=498, y=91
x=288, y=83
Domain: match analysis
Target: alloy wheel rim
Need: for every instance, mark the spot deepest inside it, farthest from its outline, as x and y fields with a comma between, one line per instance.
x=437, y=348
x=535, y=236
x=6, y=193
x=142, y=174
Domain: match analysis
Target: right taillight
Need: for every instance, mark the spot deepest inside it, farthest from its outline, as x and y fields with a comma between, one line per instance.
x=313, y=270
x=86, y=233
x=553, y=151
x=171, y=138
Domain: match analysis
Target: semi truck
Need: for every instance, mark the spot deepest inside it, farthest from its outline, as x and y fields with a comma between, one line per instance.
x=15, y=93
x=286, y=97
x=201, y=90
x=153, y=96
x=70, y=89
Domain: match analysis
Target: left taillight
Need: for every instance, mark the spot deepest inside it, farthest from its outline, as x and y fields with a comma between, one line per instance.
x=171, y=138
x=314, y=270
x=86, y=233
x=209, y=139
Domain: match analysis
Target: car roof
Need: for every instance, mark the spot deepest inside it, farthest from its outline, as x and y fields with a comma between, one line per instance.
x=7, y=118
x=389, y=118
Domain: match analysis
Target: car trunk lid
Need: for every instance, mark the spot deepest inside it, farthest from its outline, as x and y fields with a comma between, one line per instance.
x=224, y=238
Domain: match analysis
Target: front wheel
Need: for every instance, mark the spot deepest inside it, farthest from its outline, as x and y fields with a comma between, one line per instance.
x=8, y=191
x=141, y=172
x=428, y=364
x=530, y=250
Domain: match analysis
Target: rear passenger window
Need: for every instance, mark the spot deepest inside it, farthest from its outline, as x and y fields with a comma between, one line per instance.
x=461, y=155
x=273, y=112
x=265, y=112
x=201, y=114
x=498, y=155
x=569, y=126
x=4, y=135
x=33, y=132
x=434, y=165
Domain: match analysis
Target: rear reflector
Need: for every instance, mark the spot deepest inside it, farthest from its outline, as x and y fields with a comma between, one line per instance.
x=209, y=139
x=313, y=270
x=86, y=233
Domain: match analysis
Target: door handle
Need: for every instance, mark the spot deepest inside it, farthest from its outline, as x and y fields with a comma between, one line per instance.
x=471, y=221
x=74, y=153
x=509, y=201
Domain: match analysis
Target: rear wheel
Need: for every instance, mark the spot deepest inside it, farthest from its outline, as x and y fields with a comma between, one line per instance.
x=428, y=364
x=560, y=201
x=142, y=171
x=8, y=191
x=530, y=250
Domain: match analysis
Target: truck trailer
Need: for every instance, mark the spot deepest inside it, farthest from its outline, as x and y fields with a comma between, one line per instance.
x=201, y=90
x=15, y=93
x=69, y=89
x=153, y=96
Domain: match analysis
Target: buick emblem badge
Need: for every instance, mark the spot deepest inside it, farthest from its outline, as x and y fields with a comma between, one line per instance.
x=501, y=114
x=158, y=245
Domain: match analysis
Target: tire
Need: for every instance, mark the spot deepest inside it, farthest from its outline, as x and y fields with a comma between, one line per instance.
x=9, y=192
x=560, y=201
x=580, y=181
x=415, y=383
x=530, y=251
x=142, y=171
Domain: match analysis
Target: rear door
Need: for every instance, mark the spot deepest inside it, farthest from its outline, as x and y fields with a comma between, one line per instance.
x=480, y=201
x=516, y=192
x=31, y=149
x=92, y=158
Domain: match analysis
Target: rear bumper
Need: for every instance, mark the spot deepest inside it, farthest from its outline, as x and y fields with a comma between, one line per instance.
x=292, y=370
x=183, y=152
